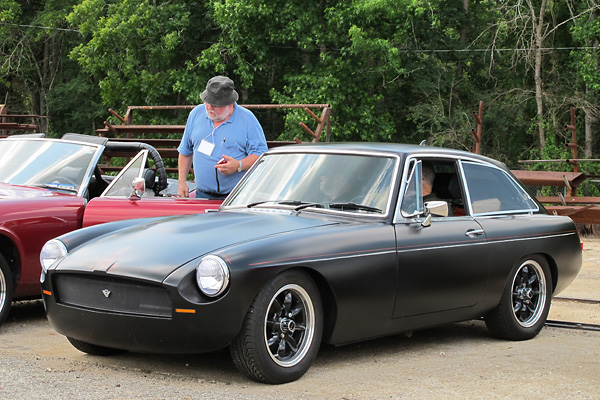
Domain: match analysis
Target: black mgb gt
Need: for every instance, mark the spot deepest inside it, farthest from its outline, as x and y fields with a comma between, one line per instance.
x=330, y=243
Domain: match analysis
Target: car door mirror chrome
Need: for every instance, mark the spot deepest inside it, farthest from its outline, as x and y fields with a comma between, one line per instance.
x=434, y=209
x=139, y=188
x=437, y=208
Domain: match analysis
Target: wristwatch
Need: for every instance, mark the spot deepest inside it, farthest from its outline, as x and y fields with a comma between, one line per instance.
x=240, y=167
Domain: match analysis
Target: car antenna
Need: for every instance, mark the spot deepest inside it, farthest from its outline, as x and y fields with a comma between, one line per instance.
x=423, y=142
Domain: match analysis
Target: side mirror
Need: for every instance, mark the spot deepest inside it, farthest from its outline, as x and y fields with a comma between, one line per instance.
x=139, y=187
x=436, y=209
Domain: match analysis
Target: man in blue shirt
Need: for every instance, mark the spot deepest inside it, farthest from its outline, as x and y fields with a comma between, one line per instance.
x=221, y=139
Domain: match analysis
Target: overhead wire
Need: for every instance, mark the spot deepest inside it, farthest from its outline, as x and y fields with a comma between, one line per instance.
x=40, y=27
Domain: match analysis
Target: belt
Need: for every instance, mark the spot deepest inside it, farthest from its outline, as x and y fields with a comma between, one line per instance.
x=214, y=194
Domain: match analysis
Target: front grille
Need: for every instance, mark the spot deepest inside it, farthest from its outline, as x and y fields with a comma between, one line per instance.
x=112, y=295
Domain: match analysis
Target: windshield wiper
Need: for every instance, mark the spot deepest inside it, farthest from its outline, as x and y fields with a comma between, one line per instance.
x=354, y=206
x=306, y=205
x=68, y=188
x=284, y=202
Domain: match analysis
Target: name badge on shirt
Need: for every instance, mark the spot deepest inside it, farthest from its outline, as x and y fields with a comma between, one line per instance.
x=206, y=147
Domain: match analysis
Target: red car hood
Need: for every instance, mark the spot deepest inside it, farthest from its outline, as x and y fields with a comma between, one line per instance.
x=8, y=191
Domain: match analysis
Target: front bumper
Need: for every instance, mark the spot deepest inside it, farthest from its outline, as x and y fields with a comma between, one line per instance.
x=187, y=327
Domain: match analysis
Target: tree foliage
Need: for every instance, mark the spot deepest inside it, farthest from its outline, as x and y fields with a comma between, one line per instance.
x=392, y=70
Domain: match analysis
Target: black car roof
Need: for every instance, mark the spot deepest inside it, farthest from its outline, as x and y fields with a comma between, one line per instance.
x=399, y=149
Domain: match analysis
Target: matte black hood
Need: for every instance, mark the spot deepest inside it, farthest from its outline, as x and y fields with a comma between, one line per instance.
x=155, y=249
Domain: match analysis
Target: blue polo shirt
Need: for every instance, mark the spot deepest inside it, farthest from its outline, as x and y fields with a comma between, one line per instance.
x=238, y=137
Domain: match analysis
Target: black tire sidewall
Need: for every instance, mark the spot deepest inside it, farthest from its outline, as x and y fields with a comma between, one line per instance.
x=254, y=325
x=504, y=318
x=93, y=349
x=8, y=278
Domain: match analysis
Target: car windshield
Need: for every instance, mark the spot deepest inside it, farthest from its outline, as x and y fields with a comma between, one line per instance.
x=351, y=183
x=47, y=163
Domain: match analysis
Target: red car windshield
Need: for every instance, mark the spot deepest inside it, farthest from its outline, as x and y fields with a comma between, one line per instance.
x=48, y=163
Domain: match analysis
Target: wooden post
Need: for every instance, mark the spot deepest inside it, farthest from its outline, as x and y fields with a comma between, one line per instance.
x=573, y=144
x=477, y=133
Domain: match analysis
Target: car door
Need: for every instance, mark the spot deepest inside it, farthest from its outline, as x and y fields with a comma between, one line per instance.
x=442, y=263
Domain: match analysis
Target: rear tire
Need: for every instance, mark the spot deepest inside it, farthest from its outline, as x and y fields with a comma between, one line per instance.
x=93, y=349
x=525, y=302
x=282, y=331
x=6, y=289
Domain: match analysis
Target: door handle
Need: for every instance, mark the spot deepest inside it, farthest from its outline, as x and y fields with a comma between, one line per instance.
x=474, y=232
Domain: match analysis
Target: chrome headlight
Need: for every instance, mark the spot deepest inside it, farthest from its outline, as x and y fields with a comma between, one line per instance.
x=53, y=251
x=212, y=275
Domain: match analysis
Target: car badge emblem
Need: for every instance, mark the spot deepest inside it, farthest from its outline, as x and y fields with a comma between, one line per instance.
x=106, y=293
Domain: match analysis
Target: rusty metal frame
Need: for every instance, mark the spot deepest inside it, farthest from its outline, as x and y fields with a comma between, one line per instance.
x=548, y=178
x=167, y=148
x=128, y=128
x=5, y=125
x=582, y=210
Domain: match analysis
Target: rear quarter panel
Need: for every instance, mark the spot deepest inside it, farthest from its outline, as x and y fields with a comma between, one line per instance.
x=514, y=237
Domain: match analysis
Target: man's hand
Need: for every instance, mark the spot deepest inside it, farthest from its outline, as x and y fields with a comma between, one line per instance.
x=183, y=190
x=229, y=167
x=184, y=163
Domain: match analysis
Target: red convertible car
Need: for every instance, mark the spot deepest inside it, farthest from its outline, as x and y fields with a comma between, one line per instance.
x=49, y=187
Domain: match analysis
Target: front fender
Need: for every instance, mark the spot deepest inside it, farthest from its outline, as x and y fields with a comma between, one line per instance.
x=76, y=238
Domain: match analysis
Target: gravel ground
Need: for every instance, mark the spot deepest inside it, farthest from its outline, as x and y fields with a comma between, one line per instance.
x=459, y=360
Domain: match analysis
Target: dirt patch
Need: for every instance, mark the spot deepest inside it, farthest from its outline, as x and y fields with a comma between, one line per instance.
x=585, y=286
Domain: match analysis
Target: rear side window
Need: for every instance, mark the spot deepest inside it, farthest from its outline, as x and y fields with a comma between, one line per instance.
x=493, y=191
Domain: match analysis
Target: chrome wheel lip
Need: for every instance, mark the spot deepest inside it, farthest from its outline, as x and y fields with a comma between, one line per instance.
x=539, y=301
x=3, y=289
x=308, y=316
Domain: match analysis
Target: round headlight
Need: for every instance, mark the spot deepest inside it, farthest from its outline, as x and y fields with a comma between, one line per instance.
x=212, y=275
x=53, y=251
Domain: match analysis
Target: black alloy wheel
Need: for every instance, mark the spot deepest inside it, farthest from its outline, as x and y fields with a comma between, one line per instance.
x=282, y=330
x=525, y=303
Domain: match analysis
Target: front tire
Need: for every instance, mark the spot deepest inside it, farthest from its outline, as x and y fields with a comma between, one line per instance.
x=93, y=349
x=6, y=289
x=282, y=331
x=525, y=302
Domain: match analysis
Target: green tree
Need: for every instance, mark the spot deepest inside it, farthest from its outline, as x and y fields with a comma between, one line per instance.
x=392, y=70
x=139, y=52
x=36, y=41
x=587, y=35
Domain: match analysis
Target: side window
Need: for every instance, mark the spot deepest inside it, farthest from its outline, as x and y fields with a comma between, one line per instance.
x=432, y=180
x=446, y=186
x=492, y=191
